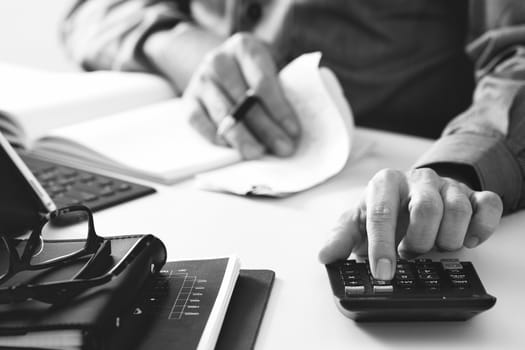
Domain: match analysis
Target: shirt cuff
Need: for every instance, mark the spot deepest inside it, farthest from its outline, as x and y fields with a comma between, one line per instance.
x=495, y=165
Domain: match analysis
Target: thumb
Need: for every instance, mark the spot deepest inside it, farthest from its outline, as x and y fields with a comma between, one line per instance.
x=345, y=238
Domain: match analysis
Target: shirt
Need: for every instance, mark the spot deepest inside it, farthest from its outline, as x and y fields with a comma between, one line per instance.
x=402, y=63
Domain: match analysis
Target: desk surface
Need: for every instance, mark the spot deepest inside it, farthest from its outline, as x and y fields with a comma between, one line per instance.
x=285, y=235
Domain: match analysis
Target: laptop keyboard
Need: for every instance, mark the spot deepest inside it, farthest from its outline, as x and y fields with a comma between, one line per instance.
x=70, y=186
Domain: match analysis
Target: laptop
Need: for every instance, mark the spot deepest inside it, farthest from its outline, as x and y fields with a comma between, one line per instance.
x=30, y=185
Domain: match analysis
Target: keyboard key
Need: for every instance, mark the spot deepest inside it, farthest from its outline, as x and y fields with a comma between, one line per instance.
x=123, y=187
x=70, y=186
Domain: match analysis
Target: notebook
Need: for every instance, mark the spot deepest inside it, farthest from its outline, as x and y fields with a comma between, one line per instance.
x=153, y=140
x=183, y=306
x=154, y=320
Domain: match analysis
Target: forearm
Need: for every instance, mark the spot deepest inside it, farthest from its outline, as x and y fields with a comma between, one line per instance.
x=177, y=53
x=482, y=147
x=109, y=34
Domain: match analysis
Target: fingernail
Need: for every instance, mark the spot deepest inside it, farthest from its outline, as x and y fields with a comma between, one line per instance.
x=383, y=269
x=252, y=151
x=283, y=147
x=292, y=127
x=471, y=242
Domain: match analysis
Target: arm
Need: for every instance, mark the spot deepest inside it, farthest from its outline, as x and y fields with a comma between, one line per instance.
x=214, y=72
x=109, y=34
x=457, y=192
x=486, y=140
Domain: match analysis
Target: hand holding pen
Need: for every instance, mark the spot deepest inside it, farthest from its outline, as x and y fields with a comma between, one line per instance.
x=236, y=98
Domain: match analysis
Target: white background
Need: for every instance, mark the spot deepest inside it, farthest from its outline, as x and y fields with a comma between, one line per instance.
x=29, y=33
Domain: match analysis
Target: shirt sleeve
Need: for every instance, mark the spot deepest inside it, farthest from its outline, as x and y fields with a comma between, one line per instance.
x=108, y=34
x=489, y=138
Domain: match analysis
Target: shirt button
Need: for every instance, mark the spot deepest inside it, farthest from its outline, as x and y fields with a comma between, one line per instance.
x=253, y=11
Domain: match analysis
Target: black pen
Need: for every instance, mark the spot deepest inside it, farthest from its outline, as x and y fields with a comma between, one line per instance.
x=237, y=113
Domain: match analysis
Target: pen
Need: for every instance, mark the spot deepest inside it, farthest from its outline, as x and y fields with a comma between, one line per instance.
x=237, y=113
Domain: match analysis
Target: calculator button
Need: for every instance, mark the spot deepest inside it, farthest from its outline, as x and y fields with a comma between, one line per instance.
x=380, y=286
x=460, y=283
x=406, y=283
x=404, y=276
x=457, y=276
x=383, y=289
x=426, y=266
x=451, y=264
x=432, y=283
x=354, y=290
x=380, y=282
x=353, y=283
x=350, y=274
x=429, y=276
x=351, y=277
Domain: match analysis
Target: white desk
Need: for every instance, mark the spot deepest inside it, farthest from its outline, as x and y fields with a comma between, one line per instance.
x=285, y=234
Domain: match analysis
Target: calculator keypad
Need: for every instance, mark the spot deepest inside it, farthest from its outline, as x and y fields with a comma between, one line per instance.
x=421, y=290
x=415, y=277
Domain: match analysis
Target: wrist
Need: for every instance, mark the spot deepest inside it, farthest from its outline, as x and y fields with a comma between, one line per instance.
x=460, y=172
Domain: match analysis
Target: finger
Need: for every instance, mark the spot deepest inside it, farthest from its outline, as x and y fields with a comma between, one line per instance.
x=200, y=121
x=260, y=72
x=226, y=73
x=348, y=236
x=217, y=106
x=268, y=132
x=457, y=213
x=224, y=69
x=382, y=207
x=488, y=208
x=282, y=112
x=425, y=212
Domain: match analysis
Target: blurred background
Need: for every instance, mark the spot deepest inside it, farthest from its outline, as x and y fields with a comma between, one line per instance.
x=29, y=33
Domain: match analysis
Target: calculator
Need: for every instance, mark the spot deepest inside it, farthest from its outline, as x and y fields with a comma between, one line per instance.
x=422, y=290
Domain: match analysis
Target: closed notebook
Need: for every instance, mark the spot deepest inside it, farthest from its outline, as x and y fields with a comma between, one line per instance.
x=86, y=320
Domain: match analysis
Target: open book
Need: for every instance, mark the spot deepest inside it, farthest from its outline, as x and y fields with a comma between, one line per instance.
x=151, y=138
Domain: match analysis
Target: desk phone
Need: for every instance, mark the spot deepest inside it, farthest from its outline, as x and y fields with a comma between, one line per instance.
x=422, y=290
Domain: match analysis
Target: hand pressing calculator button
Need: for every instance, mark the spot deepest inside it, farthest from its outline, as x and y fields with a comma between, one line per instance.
x=422, y=289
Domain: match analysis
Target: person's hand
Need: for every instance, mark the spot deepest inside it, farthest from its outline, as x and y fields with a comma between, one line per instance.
x=222, y=80
x=412, y=213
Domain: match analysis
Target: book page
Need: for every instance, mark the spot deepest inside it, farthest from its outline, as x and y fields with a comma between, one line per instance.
x=34, y=101
x=324, y=147
x=155, y=142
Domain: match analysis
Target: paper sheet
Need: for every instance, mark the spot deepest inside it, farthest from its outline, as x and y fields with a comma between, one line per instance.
x=155, y=142
x=324, y=147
